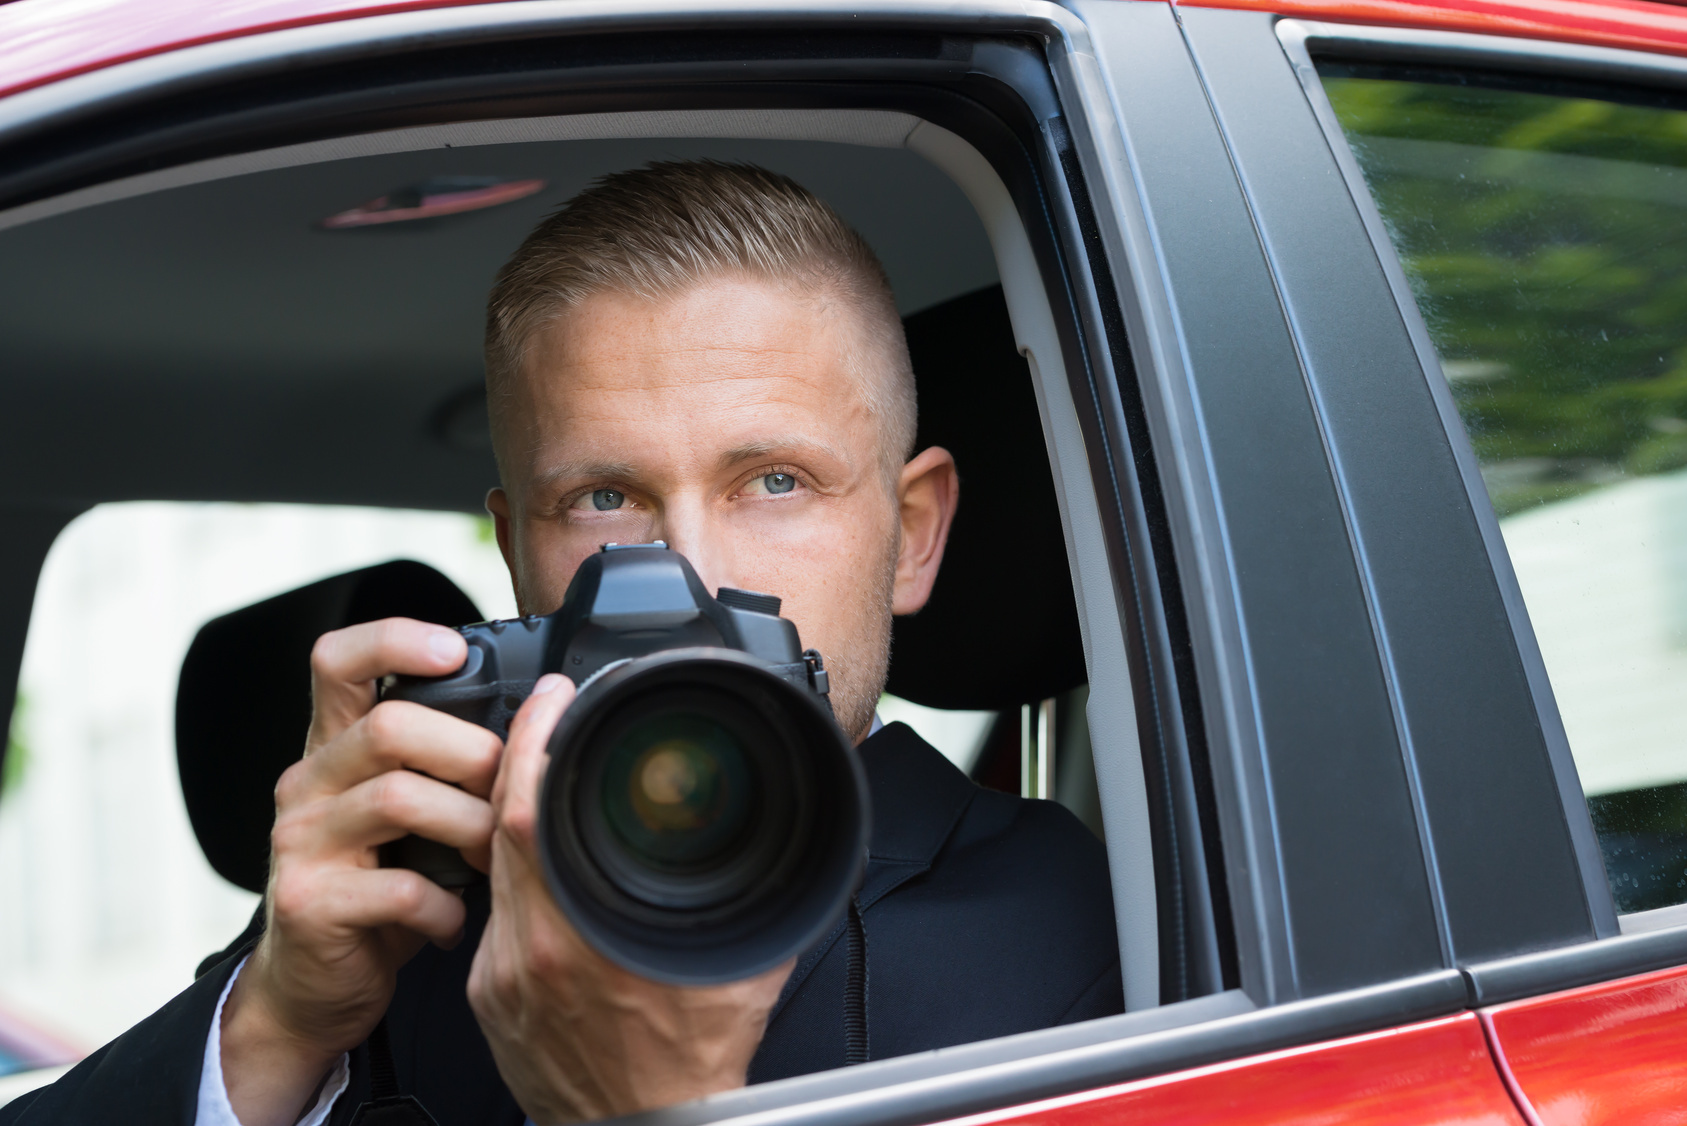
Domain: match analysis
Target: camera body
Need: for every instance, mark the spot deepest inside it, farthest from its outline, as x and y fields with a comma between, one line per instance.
x=627, y=601
x=702, y=818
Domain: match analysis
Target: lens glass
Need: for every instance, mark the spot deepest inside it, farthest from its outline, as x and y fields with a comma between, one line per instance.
x=678, y=791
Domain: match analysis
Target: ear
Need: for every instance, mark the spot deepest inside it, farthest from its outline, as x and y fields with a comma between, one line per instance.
x=498, y=507
x=927, y=493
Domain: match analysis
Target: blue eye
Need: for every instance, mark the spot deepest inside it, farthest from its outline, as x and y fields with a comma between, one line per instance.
x=606, y=499
x=779, y=482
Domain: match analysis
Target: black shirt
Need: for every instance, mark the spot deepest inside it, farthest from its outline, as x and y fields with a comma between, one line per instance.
x=982, y=914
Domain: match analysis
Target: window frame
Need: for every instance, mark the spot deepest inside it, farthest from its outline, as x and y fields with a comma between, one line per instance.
x=1618, y=945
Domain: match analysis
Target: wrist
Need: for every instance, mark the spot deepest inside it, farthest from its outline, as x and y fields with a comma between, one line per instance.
x=270, y=1072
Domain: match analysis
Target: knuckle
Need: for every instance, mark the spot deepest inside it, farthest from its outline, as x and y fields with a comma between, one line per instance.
x=409, y=893
x=324, y=652
x=506, y=988
x=545, y=954
x=518, y=823
x=291, y=897
x=294, y=830
x=386, y=729
x=393, y=796
x=477, y=996
x=289, y=788
x=491, y=749
x=286, y=837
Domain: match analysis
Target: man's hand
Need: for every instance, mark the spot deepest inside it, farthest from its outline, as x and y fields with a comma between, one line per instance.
x=339, y=925
x=575, y=1036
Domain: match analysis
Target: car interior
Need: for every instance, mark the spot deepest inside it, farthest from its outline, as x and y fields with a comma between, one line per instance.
x=231, y=336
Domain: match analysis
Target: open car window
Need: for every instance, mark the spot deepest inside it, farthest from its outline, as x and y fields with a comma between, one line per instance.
x=354, y=286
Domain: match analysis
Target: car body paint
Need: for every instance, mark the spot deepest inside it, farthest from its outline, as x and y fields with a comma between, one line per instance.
x=42, y=41
x=1604, y=1054
x=1439, y=1071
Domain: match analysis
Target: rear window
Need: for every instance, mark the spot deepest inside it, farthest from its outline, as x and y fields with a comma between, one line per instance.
x=1544, y=233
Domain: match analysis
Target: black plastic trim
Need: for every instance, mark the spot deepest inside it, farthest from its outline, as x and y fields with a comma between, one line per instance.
x=1324, y=851
x=1547, y=971
x=1466, y=860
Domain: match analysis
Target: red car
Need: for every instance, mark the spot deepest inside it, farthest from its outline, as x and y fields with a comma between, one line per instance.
x=1354, y=410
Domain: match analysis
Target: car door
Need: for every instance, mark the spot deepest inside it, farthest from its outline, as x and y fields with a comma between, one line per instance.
x=1502, y=795
x=1522, y=204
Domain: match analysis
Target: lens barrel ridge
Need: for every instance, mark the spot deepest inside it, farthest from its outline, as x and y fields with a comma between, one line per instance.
x=702, y=819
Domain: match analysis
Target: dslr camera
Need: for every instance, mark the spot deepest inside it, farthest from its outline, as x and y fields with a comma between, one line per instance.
x=703, y=818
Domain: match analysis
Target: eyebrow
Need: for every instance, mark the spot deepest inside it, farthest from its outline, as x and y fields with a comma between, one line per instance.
x=751, y=451
x=574, y=470
x=625, y=471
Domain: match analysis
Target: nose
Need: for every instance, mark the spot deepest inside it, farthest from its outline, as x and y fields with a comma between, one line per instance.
x=687, y=527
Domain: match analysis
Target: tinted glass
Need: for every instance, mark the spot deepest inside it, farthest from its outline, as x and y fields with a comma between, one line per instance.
x=1544, y=234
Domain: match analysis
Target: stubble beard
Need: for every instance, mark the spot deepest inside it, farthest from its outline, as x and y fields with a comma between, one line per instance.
x=857, y=670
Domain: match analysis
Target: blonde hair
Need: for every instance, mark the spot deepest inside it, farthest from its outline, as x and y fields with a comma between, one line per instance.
x=656, y=231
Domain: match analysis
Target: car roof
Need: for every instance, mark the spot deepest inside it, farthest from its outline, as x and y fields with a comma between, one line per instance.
x=43, y=41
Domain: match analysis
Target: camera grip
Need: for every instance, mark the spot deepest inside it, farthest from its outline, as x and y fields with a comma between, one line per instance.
x=440, y=863
x=488, y=705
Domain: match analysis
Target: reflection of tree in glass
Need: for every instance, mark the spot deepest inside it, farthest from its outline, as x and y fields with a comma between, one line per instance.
x=1545, y=238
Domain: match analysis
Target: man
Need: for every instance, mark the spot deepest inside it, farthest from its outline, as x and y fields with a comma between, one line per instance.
x=703, y=354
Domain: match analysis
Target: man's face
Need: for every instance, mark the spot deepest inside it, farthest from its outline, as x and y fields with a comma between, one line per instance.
x=725, y=422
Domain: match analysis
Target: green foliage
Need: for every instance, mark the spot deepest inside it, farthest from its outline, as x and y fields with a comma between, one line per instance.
x=17, y=752
x=1545, y=238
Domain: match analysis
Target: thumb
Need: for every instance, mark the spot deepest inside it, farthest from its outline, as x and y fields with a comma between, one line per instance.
x=515, y=794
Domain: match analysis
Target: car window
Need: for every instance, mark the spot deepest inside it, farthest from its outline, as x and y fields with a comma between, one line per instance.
x=1543, y=231
x=106, y=902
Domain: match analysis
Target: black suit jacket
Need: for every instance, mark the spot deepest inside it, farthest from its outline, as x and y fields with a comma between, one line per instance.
x=984, y=914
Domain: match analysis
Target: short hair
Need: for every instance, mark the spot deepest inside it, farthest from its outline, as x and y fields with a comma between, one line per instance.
x=658, y=230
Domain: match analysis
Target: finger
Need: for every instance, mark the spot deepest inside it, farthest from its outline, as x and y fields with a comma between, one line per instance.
x=516, y=792
x=378, y=897
x=345, y=664
x=398, y=734
x=402, y=801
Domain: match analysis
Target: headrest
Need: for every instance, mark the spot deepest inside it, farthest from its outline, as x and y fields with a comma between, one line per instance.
x=243, y=701
x=1001, y=628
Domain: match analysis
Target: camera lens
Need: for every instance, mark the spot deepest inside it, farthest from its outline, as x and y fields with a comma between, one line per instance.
x=677, y=790
x=702, y=819
x=686, y=792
